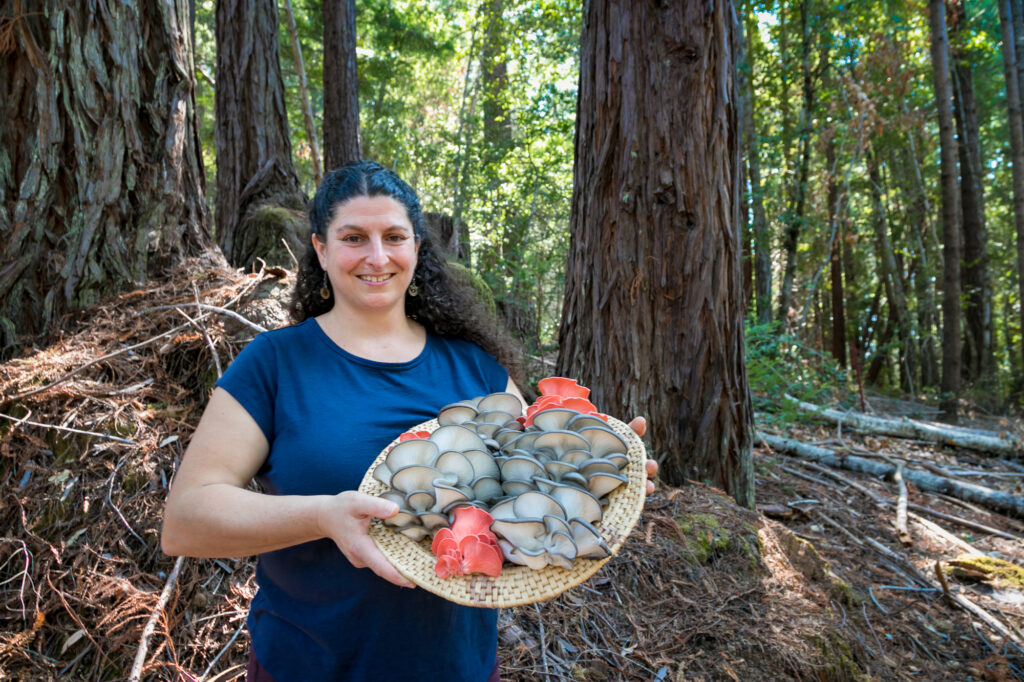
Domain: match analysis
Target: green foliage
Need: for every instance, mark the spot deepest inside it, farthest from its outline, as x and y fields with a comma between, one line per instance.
x=779, y=364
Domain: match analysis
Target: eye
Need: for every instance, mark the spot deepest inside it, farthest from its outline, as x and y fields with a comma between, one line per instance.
x=398, y=237
x=352, y=238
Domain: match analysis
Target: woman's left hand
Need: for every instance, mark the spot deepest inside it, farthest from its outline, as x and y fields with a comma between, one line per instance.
x=639, y=425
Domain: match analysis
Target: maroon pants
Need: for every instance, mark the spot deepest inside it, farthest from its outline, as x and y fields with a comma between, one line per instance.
x=254, y=672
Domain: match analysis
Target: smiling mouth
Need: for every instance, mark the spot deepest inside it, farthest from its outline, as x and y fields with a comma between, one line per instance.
x=376, y=279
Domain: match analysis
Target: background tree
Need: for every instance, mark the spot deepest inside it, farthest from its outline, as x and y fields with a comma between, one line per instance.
x=101, y=178
x=951, y=230
x=653, y=317
x=259, y=200
x=341, y=85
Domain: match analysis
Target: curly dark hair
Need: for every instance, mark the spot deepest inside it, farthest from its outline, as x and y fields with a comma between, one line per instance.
x=443, y=305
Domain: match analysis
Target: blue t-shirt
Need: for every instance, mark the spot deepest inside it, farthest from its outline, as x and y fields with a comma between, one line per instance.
x=327, y=414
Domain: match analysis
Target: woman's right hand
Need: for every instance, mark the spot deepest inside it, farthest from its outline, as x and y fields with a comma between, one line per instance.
x=345, y=518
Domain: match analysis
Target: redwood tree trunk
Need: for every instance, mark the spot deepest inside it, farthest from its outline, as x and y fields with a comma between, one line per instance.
x=835, y=261
x=794, y=217
x=951, y=233
x=1016, y=125
x=979, y=360
x=653, y=317
x=342, y=142
x=751, y=144
x=101, y=179
x=254, y=151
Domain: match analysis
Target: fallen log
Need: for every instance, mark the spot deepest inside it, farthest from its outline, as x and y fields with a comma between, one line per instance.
x=993, y=499
x=944, y=434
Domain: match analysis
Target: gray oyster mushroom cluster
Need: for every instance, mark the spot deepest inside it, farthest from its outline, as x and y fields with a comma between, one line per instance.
x=546, y=485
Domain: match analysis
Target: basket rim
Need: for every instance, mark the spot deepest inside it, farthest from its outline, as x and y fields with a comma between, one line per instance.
x=517, y=585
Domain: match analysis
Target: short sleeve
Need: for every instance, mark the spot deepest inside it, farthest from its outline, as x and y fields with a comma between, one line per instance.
x=252, y=380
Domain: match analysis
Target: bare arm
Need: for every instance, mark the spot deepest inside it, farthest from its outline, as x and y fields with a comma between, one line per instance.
x=210, y=513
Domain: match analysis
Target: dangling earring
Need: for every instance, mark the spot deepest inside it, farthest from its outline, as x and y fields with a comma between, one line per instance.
x=413, y=290
x=325, y=289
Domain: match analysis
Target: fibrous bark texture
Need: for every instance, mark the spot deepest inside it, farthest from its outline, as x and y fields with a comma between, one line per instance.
x=951, y=232
x=653, y=318
x=254, y=152
x=979, y=361
x=101, y=180
x=342, y=142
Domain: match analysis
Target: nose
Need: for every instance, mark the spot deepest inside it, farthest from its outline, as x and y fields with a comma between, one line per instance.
x=377, y=257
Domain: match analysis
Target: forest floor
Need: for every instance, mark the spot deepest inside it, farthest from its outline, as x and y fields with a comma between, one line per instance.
x=813, y=585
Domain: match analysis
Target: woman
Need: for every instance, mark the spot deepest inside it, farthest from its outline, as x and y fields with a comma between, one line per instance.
x=383, y=341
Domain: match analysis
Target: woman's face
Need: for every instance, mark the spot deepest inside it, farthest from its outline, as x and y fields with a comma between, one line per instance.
x=369, y=254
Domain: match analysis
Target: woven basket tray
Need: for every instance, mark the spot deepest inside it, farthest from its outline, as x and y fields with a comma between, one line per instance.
x=516, y=585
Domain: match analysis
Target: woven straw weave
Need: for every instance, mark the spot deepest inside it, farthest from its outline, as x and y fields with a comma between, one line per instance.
x=516, y=585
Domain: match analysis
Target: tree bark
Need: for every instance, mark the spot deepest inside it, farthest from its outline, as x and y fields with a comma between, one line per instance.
x=951, y=231
x=1016, y=126
x=835, y=262
x=979, y=360
x=751, y=145
x=101, y=176
x=892, y=277
x=794, y=217
x=653, y=318
x=254, y=151
x=342, y=137
x=307, y=109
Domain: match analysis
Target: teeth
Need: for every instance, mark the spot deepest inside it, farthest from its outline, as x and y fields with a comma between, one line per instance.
x=378, y=278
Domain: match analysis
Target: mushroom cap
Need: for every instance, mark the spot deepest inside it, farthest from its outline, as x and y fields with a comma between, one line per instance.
x=576, y=457
x=619, y=459
x=496, y=417
x=505, y=509
x=483, y=463
x=578, y=504
x=452, y=462
x=592, y=466
x=420, y=500
x=561, y=441
x=554, y=418
x=410, y=452
x=486, y=488
x=534, y=504
x=456, y=413
x=589, y=543
x=535, y=560
x=446, y=496
x=414, y=477
x=413, y=532
x=514, y=488
x=601, y=483
x=505, y=434
x=582, y=421
x=520, y=468
x=528, y=534
x=432, y=520
x=557, y=469
x=505, y=402
x=603, y=441
x=456, y=437
x=523, y=441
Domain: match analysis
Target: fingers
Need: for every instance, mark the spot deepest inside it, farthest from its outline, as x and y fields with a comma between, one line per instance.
x=366, y=506
x=365, y=554
x=639, y=425
x=651, y=469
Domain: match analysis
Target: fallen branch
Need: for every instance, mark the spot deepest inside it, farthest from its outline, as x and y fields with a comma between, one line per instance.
x=147, y=632
x=994, y=499
x=902, y=533
x=971, y=439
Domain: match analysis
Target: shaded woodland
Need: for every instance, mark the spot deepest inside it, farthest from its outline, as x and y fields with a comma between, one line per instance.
x=760, y=224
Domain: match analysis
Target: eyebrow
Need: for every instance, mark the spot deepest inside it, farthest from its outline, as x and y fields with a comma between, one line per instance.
x=358, y=228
